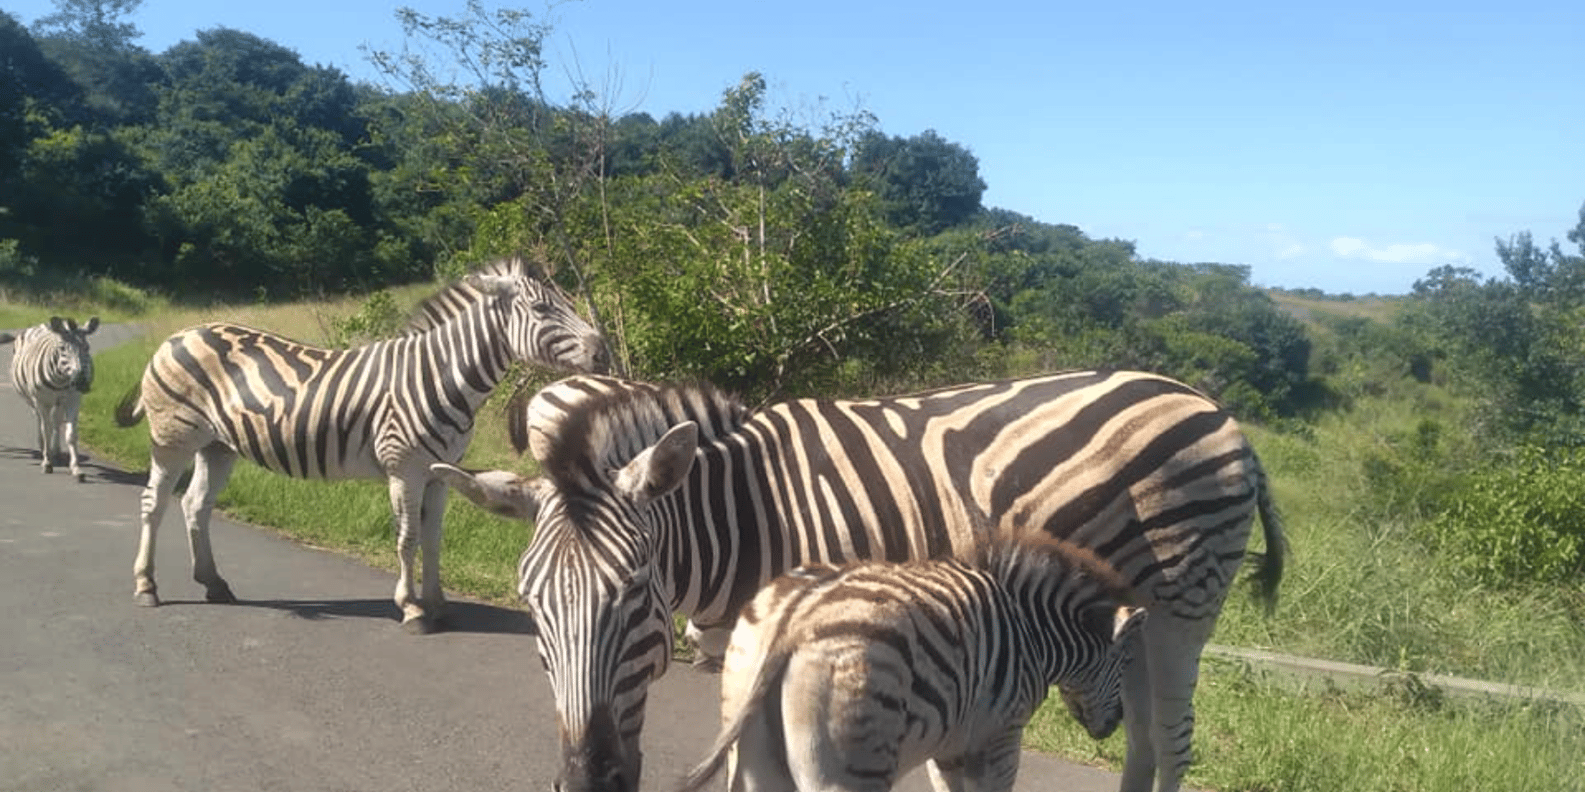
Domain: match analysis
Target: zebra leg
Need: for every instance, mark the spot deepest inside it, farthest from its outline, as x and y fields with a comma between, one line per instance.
x=164, y=466
x=407, y=507
x=434, y=597
x=210, y=472
x=1174, y=650
x=1139, y=763
x=68, y=424
x=709, y=644
x=993, y=767
x=45, y=413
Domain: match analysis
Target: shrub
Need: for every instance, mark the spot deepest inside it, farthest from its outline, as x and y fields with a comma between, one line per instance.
x=1521, y=520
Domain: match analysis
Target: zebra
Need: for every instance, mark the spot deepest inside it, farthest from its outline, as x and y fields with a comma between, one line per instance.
x=387, y=409
x=662, y=498
x=871, y=669
x=51, y=368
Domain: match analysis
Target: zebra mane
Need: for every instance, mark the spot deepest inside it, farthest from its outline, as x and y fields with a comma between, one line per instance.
x=453, y=300
x=1039, y=555
x=610, y=421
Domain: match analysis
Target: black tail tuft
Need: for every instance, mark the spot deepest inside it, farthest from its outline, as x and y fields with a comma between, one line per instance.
x=1268, y=576
x=130, y=409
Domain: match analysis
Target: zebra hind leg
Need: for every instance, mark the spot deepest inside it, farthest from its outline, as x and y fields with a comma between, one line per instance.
x=210, y=472
x=1139, y=763
x=165, y=465
x=1174, y=669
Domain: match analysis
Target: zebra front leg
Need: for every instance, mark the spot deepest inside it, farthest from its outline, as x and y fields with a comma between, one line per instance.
x=45, y=413
x=406, y=507
x=69, y=436
x=156, y=496
x=210, y=473
x=433, y=519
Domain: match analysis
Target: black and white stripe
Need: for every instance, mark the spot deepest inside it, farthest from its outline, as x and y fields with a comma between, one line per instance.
x=388, y=410
x=846, y=678
x=675, y=498
x=51, y=368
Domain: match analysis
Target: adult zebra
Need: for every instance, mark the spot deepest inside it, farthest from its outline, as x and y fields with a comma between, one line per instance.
x=674, y=498
x=51, y=368
x=388, y=409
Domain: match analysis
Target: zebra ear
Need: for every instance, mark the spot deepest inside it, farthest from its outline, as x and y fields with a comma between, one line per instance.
x=500, y=491
x=660, y=468
x=493, y=285
x=93, y=324
x=1112, y=623
x=60, y=325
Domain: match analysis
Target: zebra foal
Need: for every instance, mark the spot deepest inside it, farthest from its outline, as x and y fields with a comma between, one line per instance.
x=388, y=410
x=667, y=498
x=846, y=678
x=51, y=368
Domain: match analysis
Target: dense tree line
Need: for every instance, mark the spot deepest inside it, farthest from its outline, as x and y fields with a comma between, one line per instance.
x=770, y=256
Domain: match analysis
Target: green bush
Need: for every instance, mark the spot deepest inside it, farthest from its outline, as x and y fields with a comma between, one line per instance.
x=1520, y=520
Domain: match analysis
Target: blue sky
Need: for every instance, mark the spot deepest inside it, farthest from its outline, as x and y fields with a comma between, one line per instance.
x=1349, y=146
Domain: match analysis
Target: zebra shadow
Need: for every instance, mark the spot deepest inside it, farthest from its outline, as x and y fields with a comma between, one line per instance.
x=462, y=616
x=91, y=469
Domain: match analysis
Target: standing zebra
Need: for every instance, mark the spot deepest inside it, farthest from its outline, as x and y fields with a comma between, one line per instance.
x=674, y=498
x=51, y=368
x=847, y=678
x=384, y=410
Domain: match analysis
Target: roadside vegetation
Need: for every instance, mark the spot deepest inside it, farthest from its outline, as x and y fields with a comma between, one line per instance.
x=1425, y=449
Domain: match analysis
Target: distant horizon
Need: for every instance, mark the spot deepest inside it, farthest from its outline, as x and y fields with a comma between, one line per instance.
x=1350, y=148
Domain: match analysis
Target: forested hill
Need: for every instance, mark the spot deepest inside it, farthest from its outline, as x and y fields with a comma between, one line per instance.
x=770, y=257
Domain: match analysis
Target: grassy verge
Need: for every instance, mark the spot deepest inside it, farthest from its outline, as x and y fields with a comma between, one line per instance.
x=1358, y=589
x=1254, y=733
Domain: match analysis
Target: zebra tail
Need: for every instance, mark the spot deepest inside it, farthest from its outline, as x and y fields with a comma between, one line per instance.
x=770, y=670
x=1269, y=574
x=130, y=409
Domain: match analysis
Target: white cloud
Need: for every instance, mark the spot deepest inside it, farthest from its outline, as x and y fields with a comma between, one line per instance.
x=1421, y=253
x=1194, y=234
x=1291, y=250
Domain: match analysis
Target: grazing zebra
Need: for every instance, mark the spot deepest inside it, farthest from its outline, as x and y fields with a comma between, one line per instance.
x=846, y=678
x=51, y=368
x=384, y=410
x=675, y=498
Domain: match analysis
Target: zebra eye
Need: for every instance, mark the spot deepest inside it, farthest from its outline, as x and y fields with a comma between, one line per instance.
x=541, y=309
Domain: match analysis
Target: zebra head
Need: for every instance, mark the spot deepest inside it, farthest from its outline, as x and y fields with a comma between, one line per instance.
x=542, y=324
x=1093, y=694
x=602, y=607
x=69, y=357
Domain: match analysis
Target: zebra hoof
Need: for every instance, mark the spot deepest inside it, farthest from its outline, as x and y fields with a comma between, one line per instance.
x=707, y=663
x=48, y=468
x=147, y=599
x=82, y=477
x=420, y=625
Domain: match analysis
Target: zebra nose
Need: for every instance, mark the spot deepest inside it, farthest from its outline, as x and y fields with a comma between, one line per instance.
x=599, y=354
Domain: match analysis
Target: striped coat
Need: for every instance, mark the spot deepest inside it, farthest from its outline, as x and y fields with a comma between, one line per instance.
x=51, y=368
x=662, y=498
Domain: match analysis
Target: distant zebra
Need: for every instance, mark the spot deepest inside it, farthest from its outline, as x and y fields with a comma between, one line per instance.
x=846, y=678
x=675, y=498
x=51, y=368
x=388, y=410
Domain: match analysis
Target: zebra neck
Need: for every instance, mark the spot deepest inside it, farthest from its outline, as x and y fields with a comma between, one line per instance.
x=469, y=354
x=721, y=536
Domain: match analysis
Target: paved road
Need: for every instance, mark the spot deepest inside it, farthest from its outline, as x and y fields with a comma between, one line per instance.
x=306, y=685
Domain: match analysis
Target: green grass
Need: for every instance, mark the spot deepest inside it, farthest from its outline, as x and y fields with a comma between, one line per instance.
x=1358, y=589
x=1255, y=733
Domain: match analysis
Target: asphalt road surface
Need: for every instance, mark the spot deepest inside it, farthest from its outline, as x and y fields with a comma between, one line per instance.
x=307, y=684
